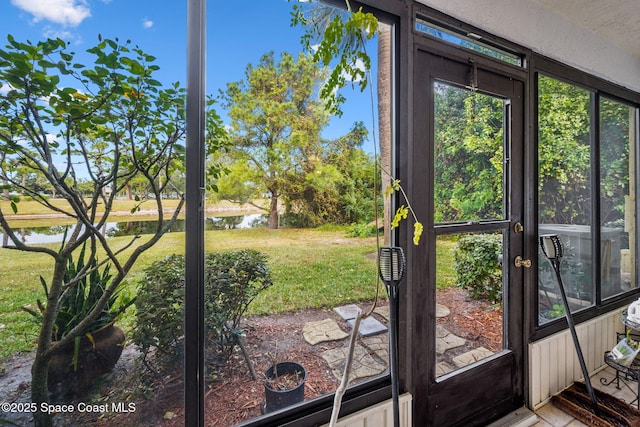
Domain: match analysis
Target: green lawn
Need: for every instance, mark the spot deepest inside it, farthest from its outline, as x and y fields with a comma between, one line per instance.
x=311, y=268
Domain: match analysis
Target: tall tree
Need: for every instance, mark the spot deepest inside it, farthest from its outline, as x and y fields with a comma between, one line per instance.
x=468, y=155
x=276, y=118
x=110, y=123
x=339, y=34
x=335, y=183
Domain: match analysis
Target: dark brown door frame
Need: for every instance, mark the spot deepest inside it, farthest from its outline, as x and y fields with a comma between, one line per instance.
x=435, y=404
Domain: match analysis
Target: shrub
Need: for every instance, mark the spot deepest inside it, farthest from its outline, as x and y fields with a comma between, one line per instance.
x=366, y=229
x=232, y=280
x=159, y=304
x=477, y=265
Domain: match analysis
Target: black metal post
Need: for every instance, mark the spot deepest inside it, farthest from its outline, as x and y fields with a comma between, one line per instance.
x=392, y=290
x=556, y=266
x=392, y=265
x=194, y=366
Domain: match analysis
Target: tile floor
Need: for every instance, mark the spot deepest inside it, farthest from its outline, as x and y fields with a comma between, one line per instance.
x=550, y=416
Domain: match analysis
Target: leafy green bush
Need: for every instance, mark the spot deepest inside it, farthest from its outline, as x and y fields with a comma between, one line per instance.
x=477, y=265
x=159, y=314
x=365, y=229
x=232, y=280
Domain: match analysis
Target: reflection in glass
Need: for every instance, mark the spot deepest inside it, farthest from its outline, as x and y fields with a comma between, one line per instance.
x=468, y=155
x=617, y=203
x=469, y=282
x=470, y=41
x=564, y=194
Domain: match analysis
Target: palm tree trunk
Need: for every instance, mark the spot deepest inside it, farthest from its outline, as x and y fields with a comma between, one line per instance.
x=384, y=119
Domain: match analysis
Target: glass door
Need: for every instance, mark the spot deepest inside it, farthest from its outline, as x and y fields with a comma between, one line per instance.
x=475, y=267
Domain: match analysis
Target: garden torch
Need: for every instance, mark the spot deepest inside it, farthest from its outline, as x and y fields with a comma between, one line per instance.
x=552, y=249
x=392, y=264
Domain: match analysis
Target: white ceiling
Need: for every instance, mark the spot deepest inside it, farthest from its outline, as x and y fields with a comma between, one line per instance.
x=617, y=21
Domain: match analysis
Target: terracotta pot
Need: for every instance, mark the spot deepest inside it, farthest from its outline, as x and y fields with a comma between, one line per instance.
x=94, y=359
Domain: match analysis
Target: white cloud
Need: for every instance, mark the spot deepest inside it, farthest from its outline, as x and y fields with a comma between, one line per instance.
x=63, y=12
x=5, y=88
x=147, y=23
x=54, y=33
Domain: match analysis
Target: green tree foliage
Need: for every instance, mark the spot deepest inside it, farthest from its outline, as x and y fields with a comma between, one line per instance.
x=563, y=153
x=468, y=155
x=336, y=181
x=565, y=156
x=278, y=152
x=76, y=128
x=615, y=119
x=337, y=38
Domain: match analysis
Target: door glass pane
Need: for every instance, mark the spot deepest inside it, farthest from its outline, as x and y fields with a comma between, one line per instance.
x=468, y=186
x=617, y=200
x=468, y=155
x=564, y=194
x=469, y=307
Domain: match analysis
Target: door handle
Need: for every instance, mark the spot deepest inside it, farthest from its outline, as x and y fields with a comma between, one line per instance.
x=518, y=227
x=519, y=262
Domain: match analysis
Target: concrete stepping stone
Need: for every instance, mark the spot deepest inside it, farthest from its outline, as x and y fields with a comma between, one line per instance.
x=363, y=365
x=378, y=344
x=445, y=340
x=471, y=357
x=368, y=326
x=443, y=368
x=442, y=311
x=347, y=312
x=322, y=330
x=382, y=312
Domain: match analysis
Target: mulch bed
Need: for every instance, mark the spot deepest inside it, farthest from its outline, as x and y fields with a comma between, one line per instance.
x=477, y=321
x=234, y=396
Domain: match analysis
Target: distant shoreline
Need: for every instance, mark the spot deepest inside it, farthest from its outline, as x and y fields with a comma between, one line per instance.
x=246, y=209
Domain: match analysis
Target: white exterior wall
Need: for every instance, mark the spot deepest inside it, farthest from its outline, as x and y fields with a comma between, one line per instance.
x=380, y=415
x=527, y=23
x=553, y=361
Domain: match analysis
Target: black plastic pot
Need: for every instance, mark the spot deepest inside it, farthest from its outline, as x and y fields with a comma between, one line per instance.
x=278, y=399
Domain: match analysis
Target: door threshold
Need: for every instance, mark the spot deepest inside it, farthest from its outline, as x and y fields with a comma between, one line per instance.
x=522, y=417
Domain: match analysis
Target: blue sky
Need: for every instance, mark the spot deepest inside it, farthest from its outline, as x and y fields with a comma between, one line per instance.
x=238, y=33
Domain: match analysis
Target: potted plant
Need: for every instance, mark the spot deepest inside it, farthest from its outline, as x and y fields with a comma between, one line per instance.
x=97, y=349
x=284, y=385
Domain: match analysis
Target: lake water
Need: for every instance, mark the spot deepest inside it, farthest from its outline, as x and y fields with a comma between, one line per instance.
x=54, y=234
